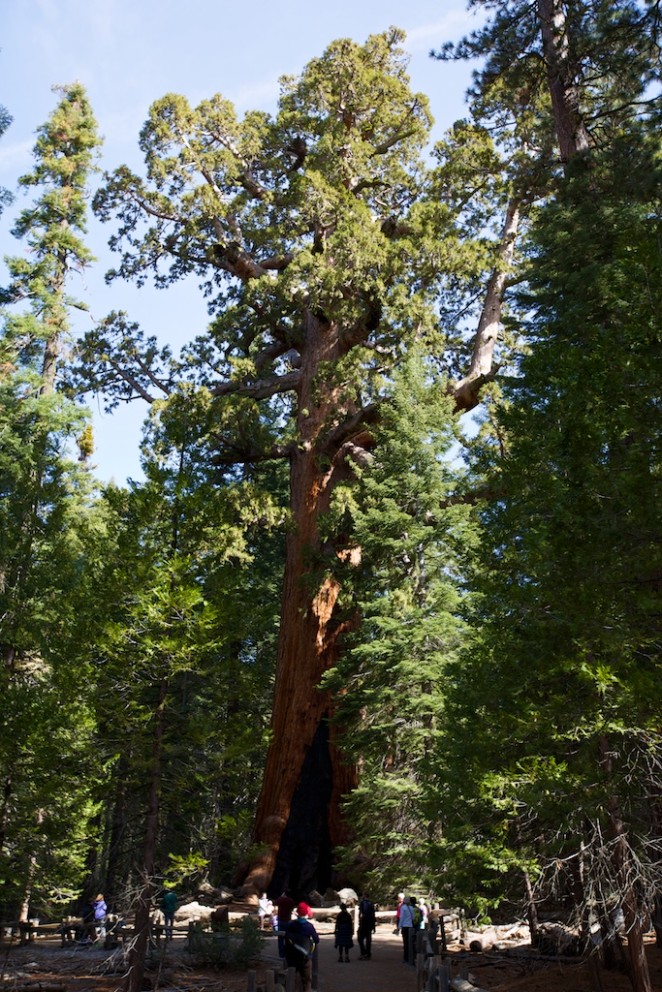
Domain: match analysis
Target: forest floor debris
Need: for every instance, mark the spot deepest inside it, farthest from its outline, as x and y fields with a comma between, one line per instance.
x=44, y=965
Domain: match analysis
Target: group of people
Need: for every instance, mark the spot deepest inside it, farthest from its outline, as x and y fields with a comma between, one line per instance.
x=298, y=938
x=411, y=915
x=344, y=930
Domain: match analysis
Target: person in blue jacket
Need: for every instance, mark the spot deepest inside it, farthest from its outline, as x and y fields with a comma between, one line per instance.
x=100, y=911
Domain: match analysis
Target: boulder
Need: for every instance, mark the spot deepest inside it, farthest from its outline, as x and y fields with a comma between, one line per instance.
x=193, y=912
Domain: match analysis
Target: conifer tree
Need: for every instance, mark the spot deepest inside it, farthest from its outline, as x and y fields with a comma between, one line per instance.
x=47, y=528
x=322, y=248
x=567, y=765
x=410, y=540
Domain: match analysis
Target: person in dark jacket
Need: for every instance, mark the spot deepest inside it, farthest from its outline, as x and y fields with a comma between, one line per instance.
x=344, y=931
x=366, y=927
x=301, y=940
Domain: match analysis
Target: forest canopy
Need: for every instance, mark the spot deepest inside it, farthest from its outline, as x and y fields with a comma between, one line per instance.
x=337, y=634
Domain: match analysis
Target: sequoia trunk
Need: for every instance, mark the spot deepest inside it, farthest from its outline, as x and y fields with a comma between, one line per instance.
x=298, y=820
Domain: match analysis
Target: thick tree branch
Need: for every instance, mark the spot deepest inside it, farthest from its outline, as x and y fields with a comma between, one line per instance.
x=260, y=389
x=481, y=369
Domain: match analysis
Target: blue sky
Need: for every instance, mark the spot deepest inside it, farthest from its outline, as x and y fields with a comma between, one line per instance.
x=128, y=53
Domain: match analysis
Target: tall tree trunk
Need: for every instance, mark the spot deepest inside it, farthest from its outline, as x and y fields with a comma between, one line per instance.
x=115, y=832
x=626, y=874
x=531, y=910
x=24, y=911
x=138, y=950
x=571, y=132
x=309, y=627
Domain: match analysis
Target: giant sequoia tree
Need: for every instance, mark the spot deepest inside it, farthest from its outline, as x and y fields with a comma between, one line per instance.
x=322, y=245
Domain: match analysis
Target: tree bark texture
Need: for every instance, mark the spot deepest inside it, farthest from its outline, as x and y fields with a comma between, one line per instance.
x=571, y=132
x=307, y=648
x=466, y=392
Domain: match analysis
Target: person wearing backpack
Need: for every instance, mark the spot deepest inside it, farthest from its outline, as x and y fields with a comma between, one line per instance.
x=301, y=940
x=366, y=927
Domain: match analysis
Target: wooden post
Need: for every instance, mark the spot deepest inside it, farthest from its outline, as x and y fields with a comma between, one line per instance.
x=290, y=977
x=250, y=987
x=433, y=968
x=269, y=980
x=442, y=934
x=420, y=972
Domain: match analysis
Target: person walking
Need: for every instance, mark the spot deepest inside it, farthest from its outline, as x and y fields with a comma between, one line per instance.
x=301, y=940
x=100, y=911
x=366, y=928
x=284, y=908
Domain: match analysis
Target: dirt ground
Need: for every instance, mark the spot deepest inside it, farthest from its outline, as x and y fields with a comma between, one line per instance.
x=42, y=967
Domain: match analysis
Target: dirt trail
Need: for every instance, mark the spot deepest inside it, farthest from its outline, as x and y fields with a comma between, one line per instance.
x=384, y=972
x=520, y=970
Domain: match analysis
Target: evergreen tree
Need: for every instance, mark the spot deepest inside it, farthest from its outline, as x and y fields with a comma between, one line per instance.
x=411, y=537
x=48, y=533
x=173, y=671
x=322, y=248
x=567, y=765
x=5, y=121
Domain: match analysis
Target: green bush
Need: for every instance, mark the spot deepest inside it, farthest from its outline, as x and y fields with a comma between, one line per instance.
x=225, y=949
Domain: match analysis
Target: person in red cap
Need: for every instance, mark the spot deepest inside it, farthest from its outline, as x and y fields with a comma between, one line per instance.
x=301, y=940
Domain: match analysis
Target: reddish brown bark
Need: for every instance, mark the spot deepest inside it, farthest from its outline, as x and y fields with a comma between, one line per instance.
x=309, y=628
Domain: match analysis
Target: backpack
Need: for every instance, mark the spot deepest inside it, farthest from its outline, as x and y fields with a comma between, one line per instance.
x=367, y=911
x=298, y=945
x=417, y=916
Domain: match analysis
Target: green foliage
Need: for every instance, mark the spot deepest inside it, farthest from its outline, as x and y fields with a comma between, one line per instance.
x=568, y=591
x=227, y=950
x=50, y=539
x=391, y=681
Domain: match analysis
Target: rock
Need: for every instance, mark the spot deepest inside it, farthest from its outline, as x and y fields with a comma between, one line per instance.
x=193, y=912
x=348, y=896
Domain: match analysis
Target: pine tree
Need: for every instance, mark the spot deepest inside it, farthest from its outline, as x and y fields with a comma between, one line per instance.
x=411, y=536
